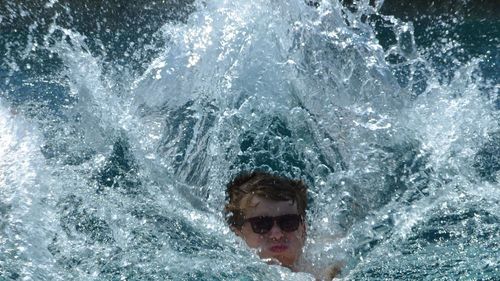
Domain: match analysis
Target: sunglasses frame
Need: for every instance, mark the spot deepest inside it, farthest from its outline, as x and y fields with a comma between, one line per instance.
x=276, y=219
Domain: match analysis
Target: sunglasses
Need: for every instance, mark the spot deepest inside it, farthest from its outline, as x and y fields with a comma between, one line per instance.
x=287, y=223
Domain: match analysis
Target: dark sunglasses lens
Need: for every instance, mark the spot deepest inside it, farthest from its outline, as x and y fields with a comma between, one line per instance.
x=289, y=223
x=261, y=225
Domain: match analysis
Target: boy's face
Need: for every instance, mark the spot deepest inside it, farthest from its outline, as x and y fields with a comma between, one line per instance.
x=277, y=245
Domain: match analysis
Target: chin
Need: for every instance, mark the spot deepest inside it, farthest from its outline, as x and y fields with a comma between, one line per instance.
x=284, y=260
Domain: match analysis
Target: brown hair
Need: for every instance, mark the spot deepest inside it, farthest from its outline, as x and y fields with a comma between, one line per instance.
x=262, y=184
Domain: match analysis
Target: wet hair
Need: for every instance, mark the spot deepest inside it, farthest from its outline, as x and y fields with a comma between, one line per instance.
x=244, y=186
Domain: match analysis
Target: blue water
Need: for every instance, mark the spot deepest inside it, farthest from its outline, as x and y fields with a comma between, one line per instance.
x=121, y=123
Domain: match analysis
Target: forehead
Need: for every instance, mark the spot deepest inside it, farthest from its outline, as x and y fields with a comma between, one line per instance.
x=259, y=206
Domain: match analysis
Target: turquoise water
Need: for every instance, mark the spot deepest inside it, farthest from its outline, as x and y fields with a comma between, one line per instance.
x=120, y=124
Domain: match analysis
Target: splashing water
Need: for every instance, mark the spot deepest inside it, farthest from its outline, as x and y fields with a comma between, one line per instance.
x=119, y=132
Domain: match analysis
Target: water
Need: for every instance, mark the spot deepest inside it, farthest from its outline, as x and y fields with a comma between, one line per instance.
x=120, y=125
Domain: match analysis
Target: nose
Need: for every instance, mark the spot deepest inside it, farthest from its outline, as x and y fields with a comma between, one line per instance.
x=276, y=232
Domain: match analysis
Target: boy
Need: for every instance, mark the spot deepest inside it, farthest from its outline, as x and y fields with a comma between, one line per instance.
x=268, y=213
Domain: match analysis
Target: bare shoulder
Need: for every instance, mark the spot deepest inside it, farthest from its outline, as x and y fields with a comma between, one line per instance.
x=328, y=272
x=333, y=271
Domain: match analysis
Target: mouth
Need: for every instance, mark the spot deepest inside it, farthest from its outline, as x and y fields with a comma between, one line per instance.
x=278, y=248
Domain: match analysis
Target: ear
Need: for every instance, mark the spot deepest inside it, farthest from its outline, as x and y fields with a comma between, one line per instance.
x=236, y=231
x=304, y=233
